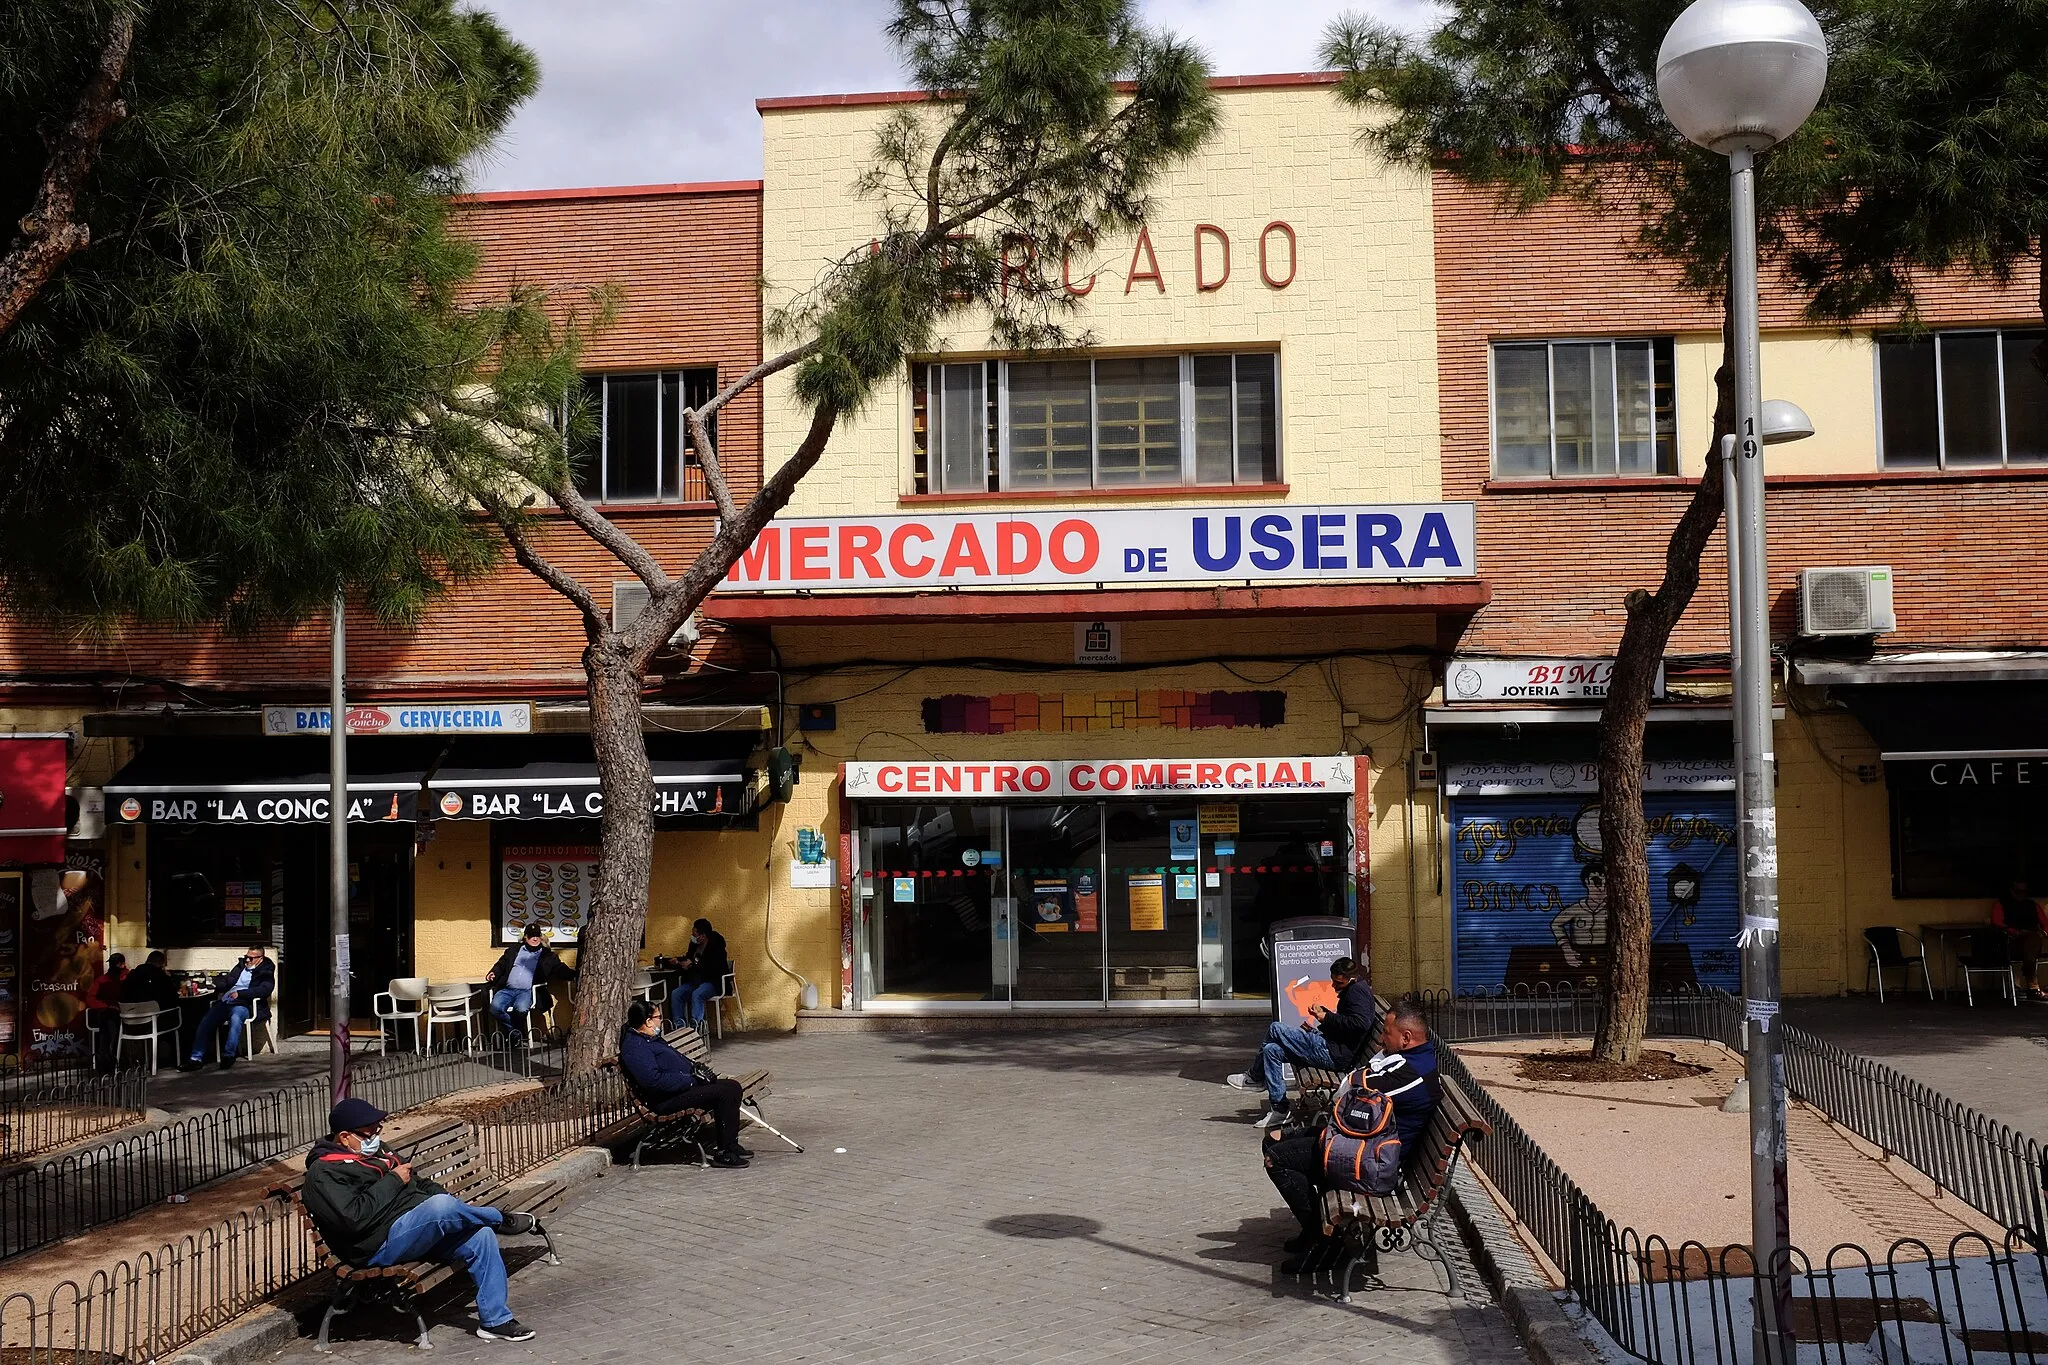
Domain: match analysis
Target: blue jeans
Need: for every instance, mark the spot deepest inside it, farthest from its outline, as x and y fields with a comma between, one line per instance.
x=234, y=1014
x=445, y=1229
x=693, y=999
x=1284, y=1044
x=508, y=1002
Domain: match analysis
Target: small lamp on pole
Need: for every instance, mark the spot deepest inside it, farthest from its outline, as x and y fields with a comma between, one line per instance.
x=1738, y=77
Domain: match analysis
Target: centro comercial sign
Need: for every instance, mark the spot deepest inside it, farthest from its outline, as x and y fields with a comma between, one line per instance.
x=1125, y=547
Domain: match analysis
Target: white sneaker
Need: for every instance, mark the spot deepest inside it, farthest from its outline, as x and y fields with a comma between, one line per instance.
x=1243, y=1081
x=1272, y=1118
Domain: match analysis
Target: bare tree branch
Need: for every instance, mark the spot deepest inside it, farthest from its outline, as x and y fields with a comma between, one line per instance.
x=754, y=376
x=50, y=234
x=707, y=460
x=594, y=620
x=623, y=547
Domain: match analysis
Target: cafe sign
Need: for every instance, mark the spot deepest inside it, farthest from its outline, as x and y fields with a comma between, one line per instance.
x=405, y=718
x=1532, y=680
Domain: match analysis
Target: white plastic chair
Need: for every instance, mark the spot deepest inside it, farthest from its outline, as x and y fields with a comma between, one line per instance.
x=645, y=987
x=728, y=989
x=452, y=1004
x=142, y=1022
x=403, y=1002
x=257, y=1036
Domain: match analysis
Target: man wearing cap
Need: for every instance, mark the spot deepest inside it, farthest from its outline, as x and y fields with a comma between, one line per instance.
x=373, y=1211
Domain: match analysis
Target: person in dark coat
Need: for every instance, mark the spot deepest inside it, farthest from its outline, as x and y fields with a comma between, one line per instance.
x=150, y=984
x=373, y=1211
x=703, y=973
x=524, y=969
x=668, y=1082
x=239, y=993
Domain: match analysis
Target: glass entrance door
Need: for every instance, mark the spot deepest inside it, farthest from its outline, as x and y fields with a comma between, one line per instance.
x=1153, y=900
x=1056, y=889
x=934, y=927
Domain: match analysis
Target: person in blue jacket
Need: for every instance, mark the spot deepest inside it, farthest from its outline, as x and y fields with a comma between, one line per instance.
x=667, y=1081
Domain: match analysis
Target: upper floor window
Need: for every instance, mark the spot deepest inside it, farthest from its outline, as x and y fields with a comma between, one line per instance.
x=640, y=451
x=1961, y=400
x=1160, y=421
x=1583, y=409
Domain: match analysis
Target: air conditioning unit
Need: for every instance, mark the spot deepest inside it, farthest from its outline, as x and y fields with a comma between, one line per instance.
x=630, y=598
x=87, y=807
x=1846, y=601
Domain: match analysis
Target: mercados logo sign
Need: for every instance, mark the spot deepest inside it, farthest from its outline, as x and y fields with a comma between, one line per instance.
x=1125, y=547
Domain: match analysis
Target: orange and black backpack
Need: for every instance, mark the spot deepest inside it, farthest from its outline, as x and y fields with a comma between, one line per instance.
x=1361, y=1150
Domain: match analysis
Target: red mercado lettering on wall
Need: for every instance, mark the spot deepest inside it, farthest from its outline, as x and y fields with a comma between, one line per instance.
x=1211, y=247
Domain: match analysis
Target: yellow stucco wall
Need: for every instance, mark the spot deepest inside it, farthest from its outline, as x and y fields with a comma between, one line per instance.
x=1832, y=376
x=1356, y=328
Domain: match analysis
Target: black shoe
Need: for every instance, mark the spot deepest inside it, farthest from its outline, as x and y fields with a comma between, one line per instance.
x=1312, y=1259
x=227, y=1061
x=738, y=1150
x=519, y=1224
x=731, y=1161
x=511, y=1329
x=191, y=1064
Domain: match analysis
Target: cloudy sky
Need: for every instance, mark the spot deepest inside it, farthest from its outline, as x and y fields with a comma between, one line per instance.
x=638, y=92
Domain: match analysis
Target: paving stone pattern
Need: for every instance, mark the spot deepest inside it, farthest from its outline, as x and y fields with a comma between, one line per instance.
x=1004, y=1197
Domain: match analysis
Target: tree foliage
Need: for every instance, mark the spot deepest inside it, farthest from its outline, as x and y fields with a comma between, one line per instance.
x=253, y=383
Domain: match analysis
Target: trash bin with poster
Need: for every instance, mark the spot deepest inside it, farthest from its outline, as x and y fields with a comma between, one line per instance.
x=1302, y=950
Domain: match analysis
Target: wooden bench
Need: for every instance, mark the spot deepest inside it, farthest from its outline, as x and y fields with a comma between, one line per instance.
x=1413, y=1213
x=445, y=1154
x=693, y=1127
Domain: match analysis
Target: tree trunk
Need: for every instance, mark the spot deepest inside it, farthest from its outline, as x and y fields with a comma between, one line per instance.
x=609, y=952
x=1624, y=841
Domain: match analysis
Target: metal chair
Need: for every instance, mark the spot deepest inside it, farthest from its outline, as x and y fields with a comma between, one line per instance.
x=728, y=989
x=1887, y=953
x=405, y=1001
x=452, y=1004
x=142, y=1022
x=1990, y=954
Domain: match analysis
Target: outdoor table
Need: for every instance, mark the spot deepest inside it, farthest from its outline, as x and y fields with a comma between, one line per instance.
x=191, y=1009
x=1948, y=933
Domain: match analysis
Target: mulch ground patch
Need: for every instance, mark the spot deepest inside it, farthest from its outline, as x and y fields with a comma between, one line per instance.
x=1581, y=1067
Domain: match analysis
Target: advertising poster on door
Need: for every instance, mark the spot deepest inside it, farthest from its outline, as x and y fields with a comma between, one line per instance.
x=63, y=938
x=1529, y=893
x=1148, y=902
x=1052, y=906
x=546, y=884
x=10, y=963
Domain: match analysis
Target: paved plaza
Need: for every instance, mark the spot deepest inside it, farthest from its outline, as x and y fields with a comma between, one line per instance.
x=1011, y=1197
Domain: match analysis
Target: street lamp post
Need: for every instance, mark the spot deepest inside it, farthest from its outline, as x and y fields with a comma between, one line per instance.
x=1738, y=77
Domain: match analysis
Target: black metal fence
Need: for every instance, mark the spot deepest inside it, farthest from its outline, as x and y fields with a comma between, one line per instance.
x=47, y=1108
x=1689, y=1304
x=69, y=1194
x=143, y=1307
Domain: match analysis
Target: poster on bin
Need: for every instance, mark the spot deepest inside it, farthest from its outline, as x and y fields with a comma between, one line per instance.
x=1301, y=966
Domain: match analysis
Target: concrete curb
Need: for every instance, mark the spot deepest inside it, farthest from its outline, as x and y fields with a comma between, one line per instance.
x=1524, y=1294
x=270, y=1327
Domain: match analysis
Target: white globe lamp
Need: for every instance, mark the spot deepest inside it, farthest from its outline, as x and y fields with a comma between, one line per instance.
x=1742, y=75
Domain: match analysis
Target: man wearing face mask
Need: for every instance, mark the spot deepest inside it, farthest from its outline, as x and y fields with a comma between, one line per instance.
x=373, y=1211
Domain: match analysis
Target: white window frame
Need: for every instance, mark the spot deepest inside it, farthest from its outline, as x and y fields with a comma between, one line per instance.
x=604, y=432
x=1550, y=345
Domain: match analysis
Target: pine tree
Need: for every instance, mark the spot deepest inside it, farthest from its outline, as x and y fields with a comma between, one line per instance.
x=1048, y=122
x=1929, y=152
x=234, y=372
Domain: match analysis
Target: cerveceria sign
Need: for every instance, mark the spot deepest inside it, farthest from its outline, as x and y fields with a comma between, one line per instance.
x=405, y=718
x=1151, y=546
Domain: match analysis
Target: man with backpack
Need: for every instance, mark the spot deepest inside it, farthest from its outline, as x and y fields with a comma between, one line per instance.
x=1376, y=1115
x=1331, y=1040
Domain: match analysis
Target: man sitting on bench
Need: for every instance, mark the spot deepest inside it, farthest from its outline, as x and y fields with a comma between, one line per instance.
x=1404, y=1070
x=1330, y=1042
x=668, y=1082
x=373, y=1211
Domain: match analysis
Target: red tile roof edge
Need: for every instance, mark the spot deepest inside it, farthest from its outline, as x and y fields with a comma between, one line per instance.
x=612, y=192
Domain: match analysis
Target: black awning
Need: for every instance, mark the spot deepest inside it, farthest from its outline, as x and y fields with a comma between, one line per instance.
x=555, y=778
x=267, y=781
